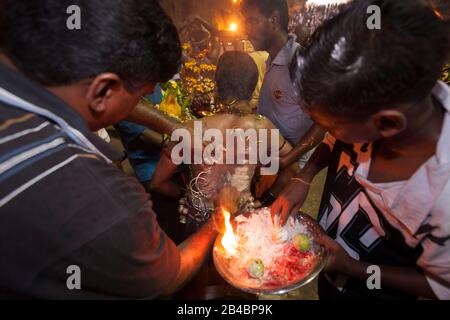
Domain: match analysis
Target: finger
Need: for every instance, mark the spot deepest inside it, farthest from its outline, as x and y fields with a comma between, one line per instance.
x=287, y=213
x=275, y=209
x=325, y=240
x=284, y=215
x=294, y=211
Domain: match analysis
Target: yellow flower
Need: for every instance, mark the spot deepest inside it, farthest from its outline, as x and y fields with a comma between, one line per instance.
x=173, y=84
x=207, y=67
x=185, y=46
x=190, y=64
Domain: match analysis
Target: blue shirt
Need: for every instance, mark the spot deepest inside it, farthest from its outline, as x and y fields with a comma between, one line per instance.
x=142, y=159
x=278, y=100
x=157, y=96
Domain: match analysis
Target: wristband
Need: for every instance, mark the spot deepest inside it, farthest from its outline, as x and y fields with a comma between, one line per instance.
x=300, y=180
x=267, y=199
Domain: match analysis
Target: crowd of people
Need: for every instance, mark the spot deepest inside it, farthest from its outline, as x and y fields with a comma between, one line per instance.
x=312, y=16
x=371, y=106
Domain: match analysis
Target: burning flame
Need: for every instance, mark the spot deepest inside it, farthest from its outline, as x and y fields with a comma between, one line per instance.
x=229, y=241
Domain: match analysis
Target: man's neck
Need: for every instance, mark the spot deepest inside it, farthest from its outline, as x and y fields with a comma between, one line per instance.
x=421, y=136
x=68, y=94
x=277, y=44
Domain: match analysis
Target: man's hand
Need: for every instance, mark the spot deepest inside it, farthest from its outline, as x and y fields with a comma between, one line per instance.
x=338, y=259
x=290, y=200
x=409, y=279
x=228, y=199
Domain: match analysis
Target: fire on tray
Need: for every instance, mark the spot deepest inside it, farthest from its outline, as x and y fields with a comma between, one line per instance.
x=256, y=255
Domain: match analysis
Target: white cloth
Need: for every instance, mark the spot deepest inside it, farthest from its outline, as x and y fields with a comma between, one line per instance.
x=103, y=134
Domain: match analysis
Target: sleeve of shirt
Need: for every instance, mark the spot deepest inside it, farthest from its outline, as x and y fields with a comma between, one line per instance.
x=134, y=259
x=435, y=258
x=329, y=140
x=435, y=261
x=129, y=131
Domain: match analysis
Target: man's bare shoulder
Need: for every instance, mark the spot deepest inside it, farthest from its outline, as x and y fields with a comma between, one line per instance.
x=220, y=121
x=256, y=121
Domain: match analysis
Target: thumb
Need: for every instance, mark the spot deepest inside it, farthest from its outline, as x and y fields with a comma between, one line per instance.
x=275, y=210
x=325, y=240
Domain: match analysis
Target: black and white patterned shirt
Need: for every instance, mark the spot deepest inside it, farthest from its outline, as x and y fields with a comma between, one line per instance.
x=405, y=223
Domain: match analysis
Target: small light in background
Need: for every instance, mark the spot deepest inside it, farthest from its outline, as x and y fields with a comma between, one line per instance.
x=233, y=27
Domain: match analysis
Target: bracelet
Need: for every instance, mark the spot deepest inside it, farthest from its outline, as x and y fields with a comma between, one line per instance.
x=300, y=180
x=267, y=199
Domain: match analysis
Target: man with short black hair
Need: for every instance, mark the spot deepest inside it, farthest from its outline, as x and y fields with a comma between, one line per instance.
x=385, y=207
x=267, y=24
x=63, y=205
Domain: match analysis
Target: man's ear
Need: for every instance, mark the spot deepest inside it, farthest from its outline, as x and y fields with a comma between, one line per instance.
x=390, y=122
x=101, y=90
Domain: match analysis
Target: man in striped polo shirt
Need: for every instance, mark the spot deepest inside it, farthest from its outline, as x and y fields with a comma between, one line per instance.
x=71, y=224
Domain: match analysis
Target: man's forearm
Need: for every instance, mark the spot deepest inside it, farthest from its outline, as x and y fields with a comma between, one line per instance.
x=193, y=253
x=167, y=188
x=283, y=179
x=407, y=280
x=309, y=141
x=152, y=138
x=318, y=161
x=152, y=118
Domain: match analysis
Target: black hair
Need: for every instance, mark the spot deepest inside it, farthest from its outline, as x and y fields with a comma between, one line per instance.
x=349, y=69
x=236, y=76
x=268, y=7
x=134, y=39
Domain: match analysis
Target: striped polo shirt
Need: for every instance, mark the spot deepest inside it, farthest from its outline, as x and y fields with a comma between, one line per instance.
x=64, y=205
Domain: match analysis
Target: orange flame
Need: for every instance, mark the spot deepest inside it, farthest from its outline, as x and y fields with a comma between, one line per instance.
x=229, y=241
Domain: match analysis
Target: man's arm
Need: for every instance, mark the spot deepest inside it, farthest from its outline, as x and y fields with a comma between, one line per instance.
x=193, y=253
x=283, y=177
x=152, y=138
x=147, y=115
x=318, y=161
x=404, y=279
x=294, y=195
x=308, y=142
x=161, y=180
x=194, y=250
